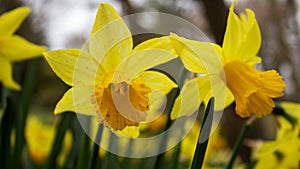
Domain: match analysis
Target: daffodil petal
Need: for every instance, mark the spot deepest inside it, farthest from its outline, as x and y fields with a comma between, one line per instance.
x=105, y=15
x=242, y=38
x=213, y=86
x=6, y=75
x=109, y=46
x=144, y=56
x=63, y=63
x=200, y=90
x=157, y=81
x=87, y=70
x=229, y=98
x=233, y=34
x=158, y=101
x=81, y=104
x=156, y=43
x=251, y=41
x=198, y=57
x=82, y=97
x=191, y=61
x=271, y=146
x=130, y=131
x=291, y=108
x=140, y=61
x=223, y=96
x=65, y=103
x=111, y=40
x=188, y=100
x=11, y=21
x=16, y=48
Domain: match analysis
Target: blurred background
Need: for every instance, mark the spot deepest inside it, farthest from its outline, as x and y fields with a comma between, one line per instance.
x=60, y=24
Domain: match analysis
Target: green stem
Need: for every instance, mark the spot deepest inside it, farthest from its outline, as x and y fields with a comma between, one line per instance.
x=96, y=146
x=127, y=161
x=278, y=110
x=84, y=155
x=79, y=150
x=111, y=159
x=203, y=136
x=252, y=164
x=23, y=110
x=65, y=121
x=5, y=134
x=239, y=142
x=175, y=156
x=182, y=76
x=5, y=94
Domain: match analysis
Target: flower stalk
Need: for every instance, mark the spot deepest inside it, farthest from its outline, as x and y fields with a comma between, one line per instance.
x=65, y=122
x=23, y=105
x=96, y=146
x=6, y=127
x=239, y=141
x=182, y=76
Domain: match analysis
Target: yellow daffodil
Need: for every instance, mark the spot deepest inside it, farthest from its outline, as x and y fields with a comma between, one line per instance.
x=228, y=72
x=216, y=149
x=13, y=47
x=108, y=77
x=292, y=109
x=284, y=152
x=40, y=137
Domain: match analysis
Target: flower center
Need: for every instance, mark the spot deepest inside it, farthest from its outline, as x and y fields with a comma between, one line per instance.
x=121, y=104
x=253, y=90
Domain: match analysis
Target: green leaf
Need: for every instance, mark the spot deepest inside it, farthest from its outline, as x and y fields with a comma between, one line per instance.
x=203, y=136
x=239, y=141
x=65, y=122
x=23, y=109
x=80, y=150
x=5, y=134
x=278, y=110
x=95, y=150
x=173, y=95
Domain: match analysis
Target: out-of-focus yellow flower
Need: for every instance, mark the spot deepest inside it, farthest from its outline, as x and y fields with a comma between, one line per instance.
x=292, y=109
x=14, y=48
x=284, y=152
x=109, y=76
x=228, y=71
x=216, y=151
x=156, y=126
x=40, y=137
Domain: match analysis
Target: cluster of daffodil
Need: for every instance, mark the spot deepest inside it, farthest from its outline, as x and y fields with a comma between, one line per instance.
x=109, y=67
x=113, y=81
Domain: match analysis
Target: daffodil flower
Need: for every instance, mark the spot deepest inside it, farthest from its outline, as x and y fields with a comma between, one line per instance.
x=215, y=145
x=228, y=72
x=40, y=137
x=284, y=151
x=13, y=47
x=108, y=77
x=280, y=153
